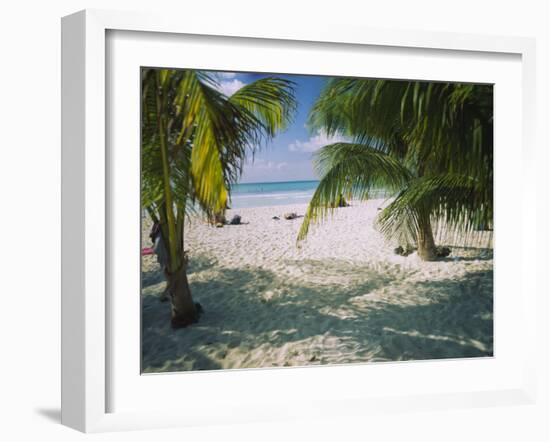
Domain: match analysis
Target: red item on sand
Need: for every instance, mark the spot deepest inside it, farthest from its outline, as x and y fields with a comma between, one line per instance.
x=147, y=251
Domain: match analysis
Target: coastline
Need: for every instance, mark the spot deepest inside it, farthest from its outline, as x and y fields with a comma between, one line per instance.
x=341, y=296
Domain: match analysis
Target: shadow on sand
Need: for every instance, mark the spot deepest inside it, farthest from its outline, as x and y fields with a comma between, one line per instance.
x=453, y=317
x=472, y=254
x=197, y=264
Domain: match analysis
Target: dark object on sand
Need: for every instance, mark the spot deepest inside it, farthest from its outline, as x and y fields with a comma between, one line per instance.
x=217, y=218
x=235, y=221
x=340, y=202
x=404, y=251
x=276, y=218
x=291, y=215
x=398, y=250
x=442, y=252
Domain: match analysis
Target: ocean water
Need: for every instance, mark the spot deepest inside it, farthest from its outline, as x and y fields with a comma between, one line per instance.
x=271, y=194
x=278, y=194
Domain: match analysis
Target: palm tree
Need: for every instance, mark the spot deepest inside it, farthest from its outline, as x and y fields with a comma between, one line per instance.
x=194, y=143
x=429, y=143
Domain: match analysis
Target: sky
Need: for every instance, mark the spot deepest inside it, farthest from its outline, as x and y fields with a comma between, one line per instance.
x=288, y=156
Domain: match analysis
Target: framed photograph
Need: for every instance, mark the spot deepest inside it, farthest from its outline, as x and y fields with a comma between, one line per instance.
x=270, y=223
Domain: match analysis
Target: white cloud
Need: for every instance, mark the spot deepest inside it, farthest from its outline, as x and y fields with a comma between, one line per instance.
x=315, y=142
x=227, y=74
x=262, y=164
x=261, y=171
x=230, y=87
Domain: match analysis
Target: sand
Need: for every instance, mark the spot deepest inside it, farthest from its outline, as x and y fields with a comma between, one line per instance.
x=342, y=296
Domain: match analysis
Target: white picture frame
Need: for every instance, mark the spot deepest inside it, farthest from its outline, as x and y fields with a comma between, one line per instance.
x=86, y=351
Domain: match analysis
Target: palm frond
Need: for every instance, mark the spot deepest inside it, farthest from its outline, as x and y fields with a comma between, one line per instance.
x=229, y=128
x=441, y=132
x=271, y=100
x=352, y=170
x=195, y=140
x=456, y=202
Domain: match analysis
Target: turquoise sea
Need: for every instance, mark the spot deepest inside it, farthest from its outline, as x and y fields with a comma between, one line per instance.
x=277, y=194
x=271, y=194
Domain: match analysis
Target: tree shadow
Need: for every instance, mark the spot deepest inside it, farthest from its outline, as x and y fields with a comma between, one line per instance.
x=151, y=277
x=247, y=308
x=472, y=254
x=197, y=263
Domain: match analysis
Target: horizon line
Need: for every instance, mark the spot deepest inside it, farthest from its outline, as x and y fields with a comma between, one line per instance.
x=276, y=182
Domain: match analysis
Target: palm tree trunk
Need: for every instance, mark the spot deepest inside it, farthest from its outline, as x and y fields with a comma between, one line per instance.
x=425, y=240
x=168, y=201
x=184, y=310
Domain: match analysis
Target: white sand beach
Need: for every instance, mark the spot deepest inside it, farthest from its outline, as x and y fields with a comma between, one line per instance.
x=341, y=296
